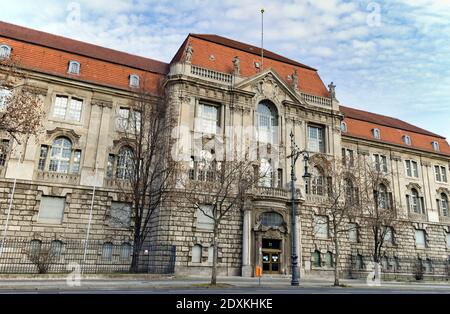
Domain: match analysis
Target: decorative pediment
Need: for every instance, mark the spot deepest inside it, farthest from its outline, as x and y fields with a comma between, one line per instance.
x=443, y=190
x=268, y=84
x=71, y=134
x=413, y=185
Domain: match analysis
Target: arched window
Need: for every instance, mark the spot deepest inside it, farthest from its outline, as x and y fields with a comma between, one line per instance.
x=56, y=249
x=382, y=196
x=267, y=122
x=74, y=67
x=316, y=259
x=316, y=184
x=107, y=251
x=329, y=259
x=210, y=254
x=271, y=219
x=125, y=251
x=197, y=253
x=444, y=204
x=376, y=133
x=359, y=262
x=60, y=155
x=125, y=163
x=35, y=248
x=134, y=80
x=435, y=145
x=5, y=51
x=343, y=126
x=407, y=139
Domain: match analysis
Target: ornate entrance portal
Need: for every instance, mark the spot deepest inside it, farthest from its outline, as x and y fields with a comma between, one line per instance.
x=271, y=251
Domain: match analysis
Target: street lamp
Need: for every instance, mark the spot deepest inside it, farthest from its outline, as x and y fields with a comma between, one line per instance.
x=295, y=154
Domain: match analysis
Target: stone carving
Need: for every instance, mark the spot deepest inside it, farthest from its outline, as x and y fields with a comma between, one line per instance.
x=332, y=90
x=236, y=66
x=295, y=80
x=267, y=87
x=188, y=53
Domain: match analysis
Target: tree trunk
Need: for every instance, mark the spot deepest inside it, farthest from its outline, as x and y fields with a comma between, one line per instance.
x=336, y=262
x=134, y=268
x=215, y=255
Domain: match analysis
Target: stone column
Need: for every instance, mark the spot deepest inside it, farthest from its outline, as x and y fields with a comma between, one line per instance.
x=246, y=239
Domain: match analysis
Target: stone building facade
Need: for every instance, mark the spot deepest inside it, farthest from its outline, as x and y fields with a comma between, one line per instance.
x=221, y=92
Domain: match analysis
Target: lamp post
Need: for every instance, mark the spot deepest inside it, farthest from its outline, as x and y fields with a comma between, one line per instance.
x=295, y=154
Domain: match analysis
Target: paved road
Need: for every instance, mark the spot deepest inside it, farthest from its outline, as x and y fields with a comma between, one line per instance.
x=235, y=285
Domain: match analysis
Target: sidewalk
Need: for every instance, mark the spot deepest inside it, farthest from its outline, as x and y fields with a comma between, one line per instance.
x=144, y=281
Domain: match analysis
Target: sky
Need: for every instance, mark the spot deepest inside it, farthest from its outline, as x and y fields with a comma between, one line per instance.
x=388, y=57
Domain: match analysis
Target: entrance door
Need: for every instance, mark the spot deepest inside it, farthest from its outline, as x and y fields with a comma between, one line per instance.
x=271, y=252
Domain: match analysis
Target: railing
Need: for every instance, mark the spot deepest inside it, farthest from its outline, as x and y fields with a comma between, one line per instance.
x=401, y=268
x=23, y=256
x=58, y=177
x=271, y=192
x=210, y=74
x=318, y=199
x=317, y=99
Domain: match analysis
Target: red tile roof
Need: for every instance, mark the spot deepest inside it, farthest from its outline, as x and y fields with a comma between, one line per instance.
x=81, y=48
x=361, y=123
x=224, y=50
x=248, y=48
x=383, y=120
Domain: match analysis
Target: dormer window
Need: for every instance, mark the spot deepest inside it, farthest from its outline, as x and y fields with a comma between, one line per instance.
x=74, y=67
x=406, y=139
x=435, y=145
x=343, y=126
x=134, y=80
x=376, y=133
x=5, y=51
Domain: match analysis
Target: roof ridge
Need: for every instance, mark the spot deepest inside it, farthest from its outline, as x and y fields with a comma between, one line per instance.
x=417, y=129
x=269, y=55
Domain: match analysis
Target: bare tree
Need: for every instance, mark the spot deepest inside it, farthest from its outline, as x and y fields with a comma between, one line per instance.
x=147, y=171
x=379, y=213
x=338, y=183
x=218, y=189
x=21, y=109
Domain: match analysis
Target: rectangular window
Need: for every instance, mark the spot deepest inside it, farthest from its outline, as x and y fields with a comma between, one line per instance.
x=441, y=173
x=76, y=161
x=437, y=172
x=204, y=220
x=67, y=108
x=321, y=226
x=207, y=119
x=110, y=166
x=51, y=209
x=347, y=157
x=448, y=240
x=136, y=121
x=412, y=169
x=316, y=139
x=280, y=178
x=123, y=118
x=380, y=163
x=4, y=149
x=420, y=238
x=4, y=95
x=43, y=157
x=353, y=232
x=388, y=235
x=120, y=214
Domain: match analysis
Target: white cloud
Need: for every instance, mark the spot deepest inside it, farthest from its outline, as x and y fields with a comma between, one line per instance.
x=401, y=64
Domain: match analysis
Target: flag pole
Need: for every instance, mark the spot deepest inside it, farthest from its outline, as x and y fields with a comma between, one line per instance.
x=262, y=39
